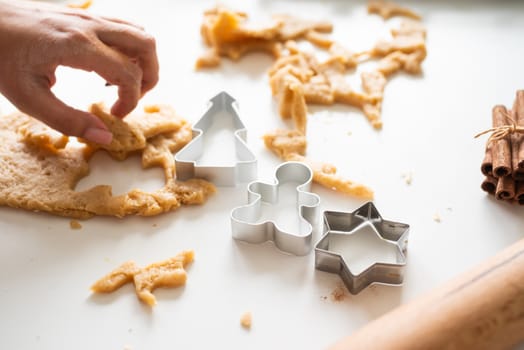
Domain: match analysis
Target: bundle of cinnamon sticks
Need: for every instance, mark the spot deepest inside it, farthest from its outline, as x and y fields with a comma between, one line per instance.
x=503, y=163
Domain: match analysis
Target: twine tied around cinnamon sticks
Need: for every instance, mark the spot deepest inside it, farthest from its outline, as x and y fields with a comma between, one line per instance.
x=503, y=163
x=500, y=132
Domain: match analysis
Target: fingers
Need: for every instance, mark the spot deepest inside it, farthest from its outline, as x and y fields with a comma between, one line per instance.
x=117, y=69
x=38, y=101
x=138, y=45
x=123, y=54
x=44, y=38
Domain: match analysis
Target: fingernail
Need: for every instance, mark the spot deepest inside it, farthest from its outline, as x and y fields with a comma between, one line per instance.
x=100, y=136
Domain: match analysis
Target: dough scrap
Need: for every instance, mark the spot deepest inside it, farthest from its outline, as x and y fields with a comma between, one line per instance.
x=409, y=37
x=298, y=78
x=39, y=173
x=290, y=145
x=82, y=5
x=388, y=9
x=227, y=33
x=166, y=273
x=285, y=142
x=116, y=278
x=40, y=136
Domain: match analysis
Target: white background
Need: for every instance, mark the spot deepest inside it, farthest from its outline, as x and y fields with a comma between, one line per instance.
x=475, y=60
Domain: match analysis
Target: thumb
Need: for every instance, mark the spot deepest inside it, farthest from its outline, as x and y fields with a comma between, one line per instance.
x=39, y=102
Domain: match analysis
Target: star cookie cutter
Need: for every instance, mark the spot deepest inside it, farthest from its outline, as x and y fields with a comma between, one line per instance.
x=250, y=223
x=222, y=114
x=340, y=226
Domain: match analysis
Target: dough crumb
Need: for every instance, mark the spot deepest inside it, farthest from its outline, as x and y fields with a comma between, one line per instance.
x=246, y=319
x=408, y=178
x=75, y=225
x=339, y=293
x=436, y=217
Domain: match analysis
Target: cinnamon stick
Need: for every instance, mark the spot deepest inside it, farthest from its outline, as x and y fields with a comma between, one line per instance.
x=489, y=184
x=519, y=192
x=487, y=164
x=517, y=140
x=518, y=174
x=501, y=151
x=505, y=188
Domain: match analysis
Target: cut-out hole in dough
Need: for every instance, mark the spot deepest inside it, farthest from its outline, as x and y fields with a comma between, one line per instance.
x=122, y=176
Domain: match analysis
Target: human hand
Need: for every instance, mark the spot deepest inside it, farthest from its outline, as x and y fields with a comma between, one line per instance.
x=36, y=38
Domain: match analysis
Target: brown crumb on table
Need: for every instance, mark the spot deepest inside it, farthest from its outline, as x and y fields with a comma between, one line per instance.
x=246, y=320
x=167, y=273
x=339, y=293
x=75, y=225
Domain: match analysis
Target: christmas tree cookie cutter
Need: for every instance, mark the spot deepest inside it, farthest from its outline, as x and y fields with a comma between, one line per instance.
x=190, y=162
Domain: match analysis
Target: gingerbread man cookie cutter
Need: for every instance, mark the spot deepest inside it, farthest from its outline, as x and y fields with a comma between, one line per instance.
x=223, y=112
x=257, y=222
x=341, y=226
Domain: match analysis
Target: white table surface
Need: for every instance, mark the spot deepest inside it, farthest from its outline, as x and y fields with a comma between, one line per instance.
x=475, y=60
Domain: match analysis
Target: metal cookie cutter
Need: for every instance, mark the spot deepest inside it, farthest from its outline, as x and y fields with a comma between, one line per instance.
x=258, y=221
x=222, y=113
x=331, y=253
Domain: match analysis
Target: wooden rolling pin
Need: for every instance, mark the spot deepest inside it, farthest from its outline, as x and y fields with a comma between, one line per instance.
x=480, y=309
